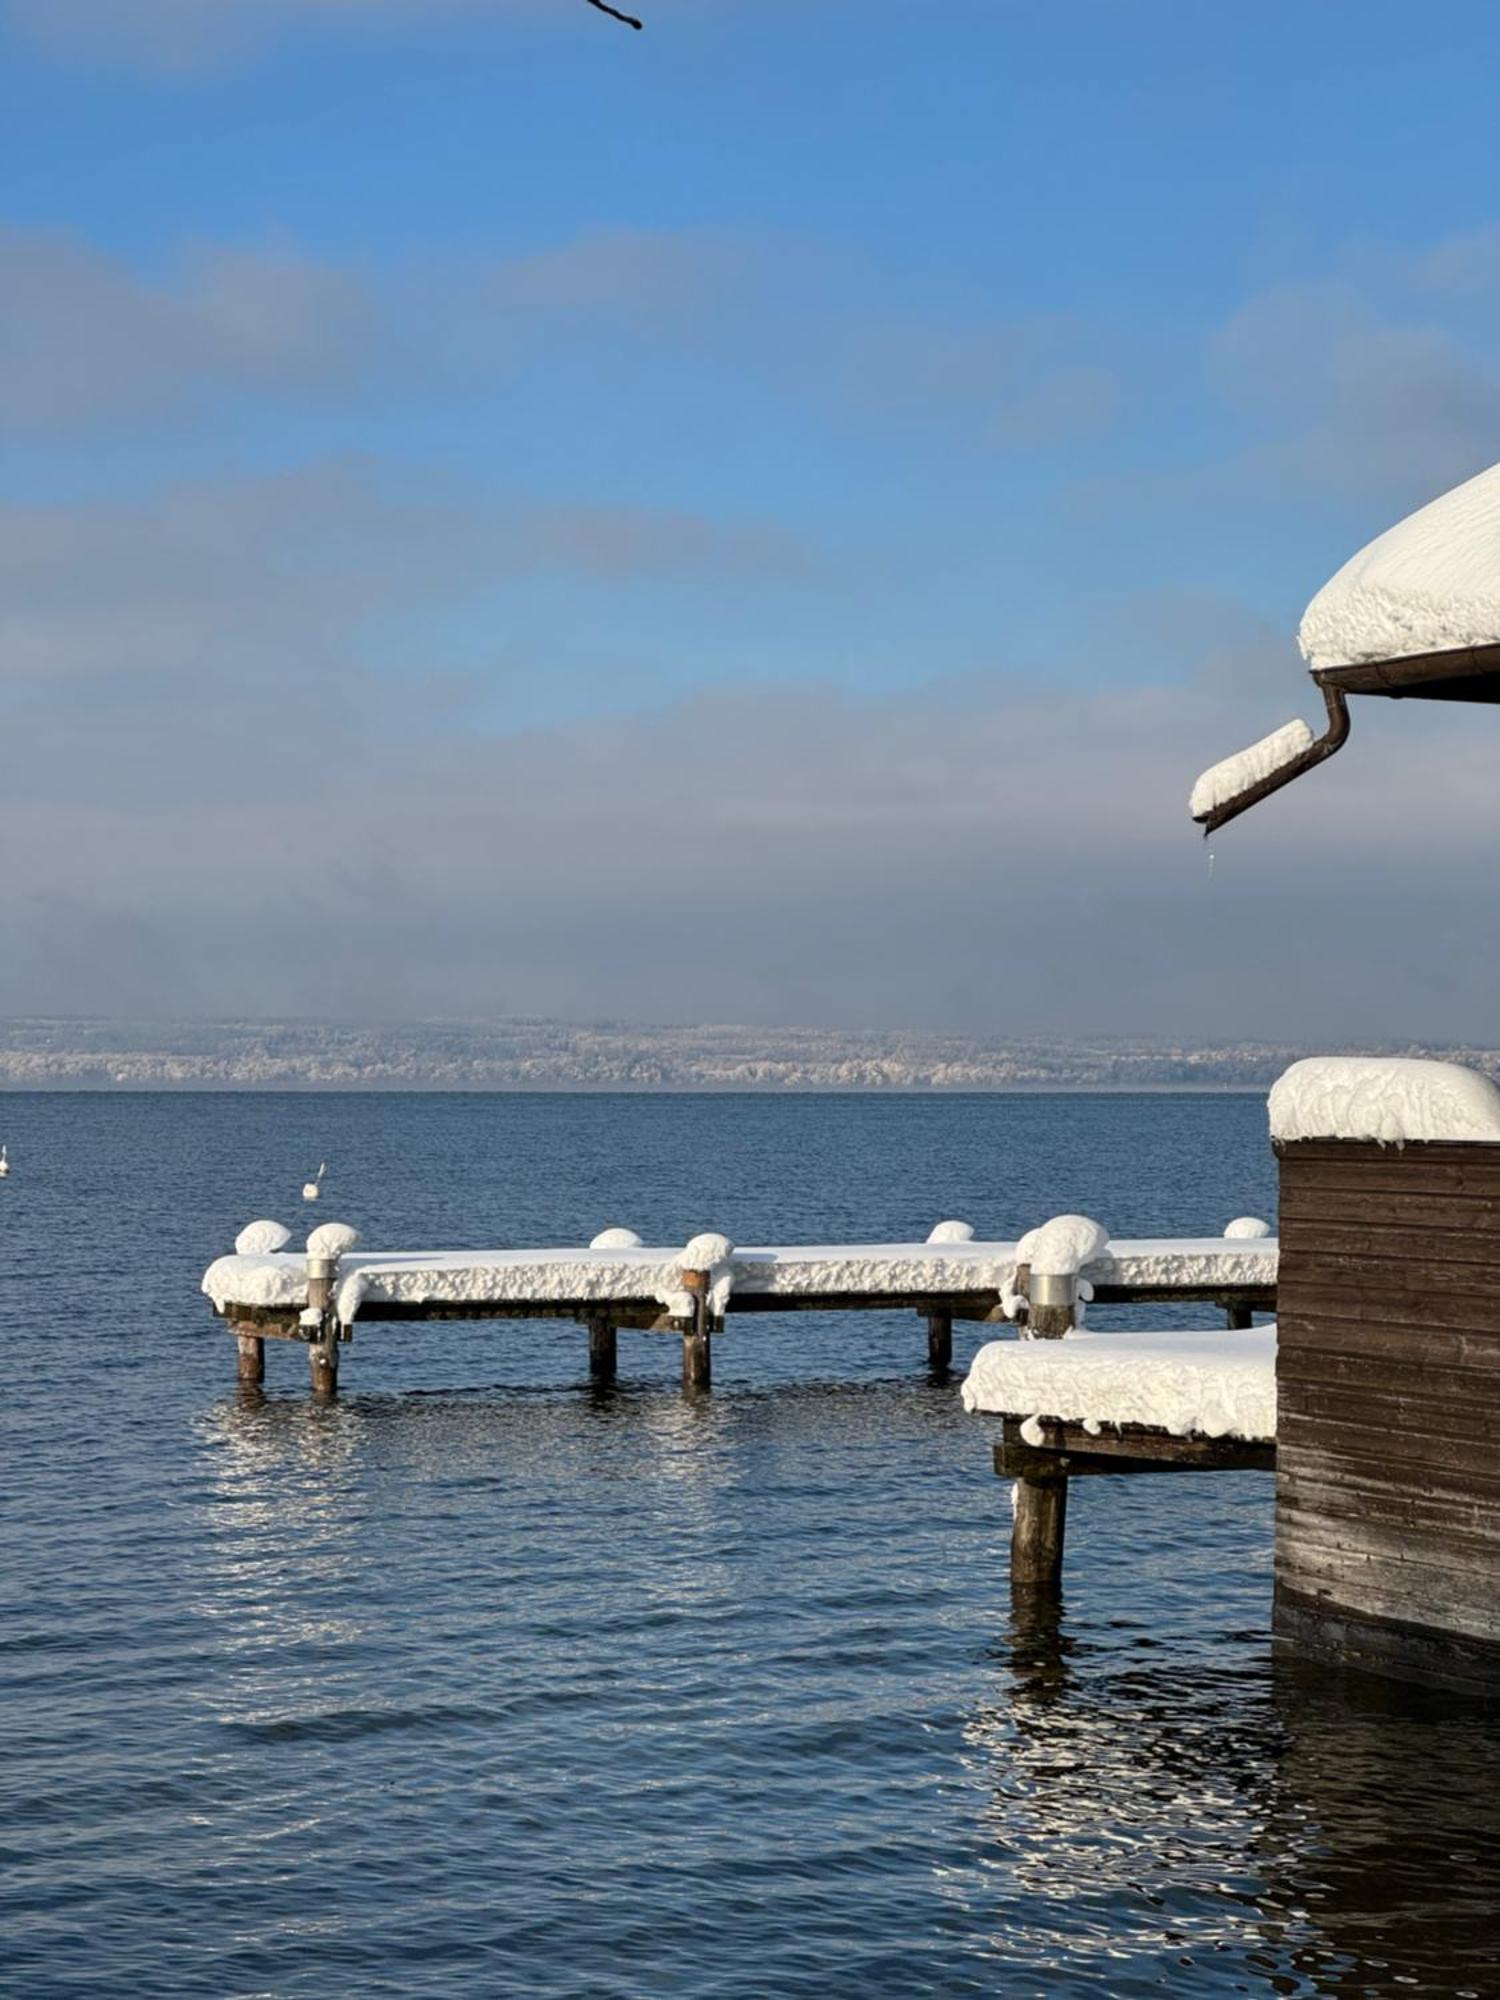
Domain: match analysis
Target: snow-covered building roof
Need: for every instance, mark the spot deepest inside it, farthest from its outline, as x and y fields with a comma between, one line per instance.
x=1416, y=612
x=1394, y=1100
x=1431, y=584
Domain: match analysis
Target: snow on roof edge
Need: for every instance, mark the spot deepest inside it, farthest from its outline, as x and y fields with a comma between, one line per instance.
x=1428, y=584
x=1393, y=1100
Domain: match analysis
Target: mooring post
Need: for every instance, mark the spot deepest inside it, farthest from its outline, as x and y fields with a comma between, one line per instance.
x=940, y=1342
x=697, y=1358
x=1238, y=1318
x=252, y=1362
x=323, y=1353
x=1053, y=1305
x=1036, y=1538
x=602, y=1351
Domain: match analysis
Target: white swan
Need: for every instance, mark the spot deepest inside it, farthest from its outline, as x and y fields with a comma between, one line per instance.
x=313, y=1188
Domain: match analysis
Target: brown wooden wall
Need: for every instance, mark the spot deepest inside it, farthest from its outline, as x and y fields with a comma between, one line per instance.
x=1388, y=1406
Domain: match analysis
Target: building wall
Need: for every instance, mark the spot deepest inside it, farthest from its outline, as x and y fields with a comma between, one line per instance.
x=1388, y=1406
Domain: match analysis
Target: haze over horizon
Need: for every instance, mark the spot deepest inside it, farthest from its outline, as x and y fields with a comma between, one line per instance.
x=760, y=520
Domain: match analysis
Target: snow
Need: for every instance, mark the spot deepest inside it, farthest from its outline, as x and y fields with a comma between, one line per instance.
x=1223, y=782
x=616, y=1239
x=708, y=1252
x=1191, y=1384
x=645, y=1275
x=332, y=1239
x=1391, y=1099
x=1061, y=1247
x=256, y=1238
x=1430, y=584
x=951, y=1232
x=1246, y=1228
x=705, y=1252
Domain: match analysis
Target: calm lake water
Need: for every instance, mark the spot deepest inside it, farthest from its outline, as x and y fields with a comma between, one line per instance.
x=481, y=1683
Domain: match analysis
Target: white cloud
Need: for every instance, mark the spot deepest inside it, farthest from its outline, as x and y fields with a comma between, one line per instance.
x=85, y=337
x=978, y=854
x=264, y=581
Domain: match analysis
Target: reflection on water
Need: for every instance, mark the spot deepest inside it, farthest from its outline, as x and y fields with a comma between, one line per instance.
x=1323, y=1833
x=482, y=1681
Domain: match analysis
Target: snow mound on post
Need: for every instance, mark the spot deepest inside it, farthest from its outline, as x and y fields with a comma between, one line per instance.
x=1191, y=1384
x=1391, y=1099
x=616, y=1239
x=331, y=1239
x=1061, y=1247
x=1431, y=584
x=261, y=1239
x=1223, y=782
x=706, y=1252
x=709, y=1252
x=951, y=1232
x=1247, y=1228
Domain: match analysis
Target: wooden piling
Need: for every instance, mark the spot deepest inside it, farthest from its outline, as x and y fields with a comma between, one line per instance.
x=602, y=1351
x=1053, y=1306
x=1238, y=1318
x=252, y=1361
x=323, y=1354
x=940, y=1342
x=697, y=1356
x=1036, y=1538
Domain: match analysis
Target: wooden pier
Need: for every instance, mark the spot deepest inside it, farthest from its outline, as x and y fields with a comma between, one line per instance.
x=976, y=1283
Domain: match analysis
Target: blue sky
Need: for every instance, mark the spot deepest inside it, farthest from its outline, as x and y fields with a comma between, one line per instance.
x=405, y=399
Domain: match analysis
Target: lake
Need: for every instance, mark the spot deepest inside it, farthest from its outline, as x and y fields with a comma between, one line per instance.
x=482, y=1682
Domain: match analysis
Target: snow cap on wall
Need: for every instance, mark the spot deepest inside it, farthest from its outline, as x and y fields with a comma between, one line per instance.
x=1391, y=1099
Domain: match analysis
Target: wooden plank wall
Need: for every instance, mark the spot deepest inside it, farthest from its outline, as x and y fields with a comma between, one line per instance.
x=1388, y=1407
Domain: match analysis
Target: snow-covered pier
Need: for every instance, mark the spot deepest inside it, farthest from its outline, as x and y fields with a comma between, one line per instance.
x=323, y=1297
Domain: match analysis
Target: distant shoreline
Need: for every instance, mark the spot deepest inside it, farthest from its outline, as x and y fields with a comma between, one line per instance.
x=1204, y=1089
x=613, y=1058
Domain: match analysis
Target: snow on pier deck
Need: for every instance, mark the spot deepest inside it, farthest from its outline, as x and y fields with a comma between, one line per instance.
x=320, y=1299
x=1207, y=1385
x=970, y=1278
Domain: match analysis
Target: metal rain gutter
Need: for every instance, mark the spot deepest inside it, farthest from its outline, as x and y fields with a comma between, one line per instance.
x=1333, y=738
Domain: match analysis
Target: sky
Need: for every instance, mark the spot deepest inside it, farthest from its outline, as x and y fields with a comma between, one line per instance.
x=757, y=520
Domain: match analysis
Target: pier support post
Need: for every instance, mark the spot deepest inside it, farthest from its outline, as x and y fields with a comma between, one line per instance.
x=252, y=1361
x=323, y=1367
x=697, y=1355
x=323, y=1354
x=602, y=1351
x=1238, y=1318
x=940, y=1342
x=1053, y=1306
x=1036, y=1539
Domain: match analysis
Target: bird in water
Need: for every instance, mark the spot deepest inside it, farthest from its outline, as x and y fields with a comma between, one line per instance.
x=313, y=1188
x=4, y=1162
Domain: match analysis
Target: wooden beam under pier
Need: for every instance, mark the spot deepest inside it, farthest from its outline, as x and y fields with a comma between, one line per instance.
x=280, y=1322
x=1042, y=1471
